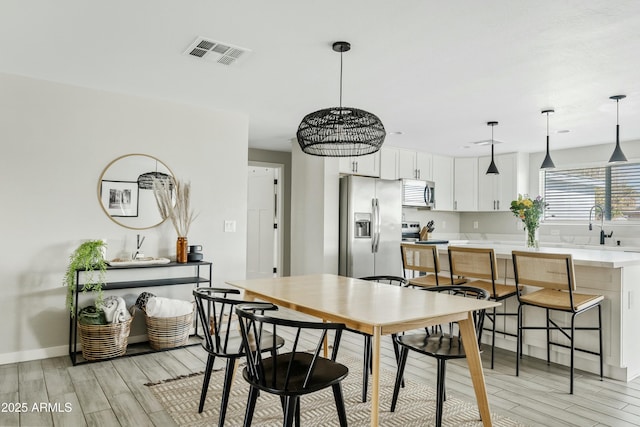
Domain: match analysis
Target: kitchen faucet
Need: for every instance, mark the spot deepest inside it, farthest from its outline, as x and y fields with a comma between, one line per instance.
x=602, y=233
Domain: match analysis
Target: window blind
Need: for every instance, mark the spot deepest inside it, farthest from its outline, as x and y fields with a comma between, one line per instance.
x=571, y=193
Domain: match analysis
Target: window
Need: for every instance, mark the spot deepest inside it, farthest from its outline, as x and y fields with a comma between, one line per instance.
x=571, y=193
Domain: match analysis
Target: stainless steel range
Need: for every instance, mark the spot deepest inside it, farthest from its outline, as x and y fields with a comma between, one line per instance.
x=410, y=231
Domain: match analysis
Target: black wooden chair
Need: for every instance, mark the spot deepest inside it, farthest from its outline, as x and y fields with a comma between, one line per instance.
x=295, y=373
x=443, y=346
x=367, y=365
x=222, y=338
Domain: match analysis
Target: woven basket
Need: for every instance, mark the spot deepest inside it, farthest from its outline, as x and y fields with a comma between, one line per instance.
x=169, y=332
x=104, y=341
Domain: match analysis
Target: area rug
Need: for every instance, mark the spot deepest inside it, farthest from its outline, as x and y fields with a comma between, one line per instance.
x=416, y=405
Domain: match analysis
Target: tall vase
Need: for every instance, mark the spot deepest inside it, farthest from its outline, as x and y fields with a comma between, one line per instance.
x=531, y=236
x=181, y=250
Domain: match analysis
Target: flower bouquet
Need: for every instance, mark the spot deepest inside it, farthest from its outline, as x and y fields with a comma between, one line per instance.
x=529, y=211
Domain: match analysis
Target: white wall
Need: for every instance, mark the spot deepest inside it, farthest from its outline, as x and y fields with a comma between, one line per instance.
x=314, y=213
x=56, y=141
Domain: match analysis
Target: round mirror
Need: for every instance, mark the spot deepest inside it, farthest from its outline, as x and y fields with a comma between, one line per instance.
x=125, y=190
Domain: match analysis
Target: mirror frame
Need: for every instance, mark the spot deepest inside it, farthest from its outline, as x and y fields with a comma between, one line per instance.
x=123, y=184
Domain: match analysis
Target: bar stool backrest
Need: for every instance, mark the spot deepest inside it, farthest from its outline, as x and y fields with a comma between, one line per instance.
x=477, y=263
x=422, y=258
x=544, y=270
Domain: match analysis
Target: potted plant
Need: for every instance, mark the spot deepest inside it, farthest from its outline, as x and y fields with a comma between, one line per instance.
x=89, y=256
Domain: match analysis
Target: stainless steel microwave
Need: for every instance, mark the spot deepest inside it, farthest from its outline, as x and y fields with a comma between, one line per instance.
x=418, y=193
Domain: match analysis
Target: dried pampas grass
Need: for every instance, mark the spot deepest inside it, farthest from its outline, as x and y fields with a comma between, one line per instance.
x=173, y=198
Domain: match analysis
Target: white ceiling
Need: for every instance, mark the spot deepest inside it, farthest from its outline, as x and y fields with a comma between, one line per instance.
x=436, y=71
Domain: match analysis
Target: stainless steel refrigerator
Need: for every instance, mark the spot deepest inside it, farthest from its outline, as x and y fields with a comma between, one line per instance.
x=370, y=226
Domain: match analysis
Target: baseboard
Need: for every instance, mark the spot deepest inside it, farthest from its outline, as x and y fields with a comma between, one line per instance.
x=46, y=353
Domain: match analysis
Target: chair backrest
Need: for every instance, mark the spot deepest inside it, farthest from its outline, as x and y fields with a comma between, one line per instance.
x=422, y=258
x=477, y=263
x=467, y=292
x=216, y=314
x=254, y=325
x=389, y=280
x=544, y=270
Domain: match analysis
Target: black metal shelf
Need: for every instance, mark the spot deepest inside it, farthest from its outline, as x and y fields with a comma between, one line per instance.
x=196, y=280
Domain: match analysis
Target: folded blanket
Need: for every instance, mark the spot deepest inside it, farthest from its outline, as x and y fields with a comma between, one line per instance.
x=115, y=309
x=92, y=316
x=166, y=307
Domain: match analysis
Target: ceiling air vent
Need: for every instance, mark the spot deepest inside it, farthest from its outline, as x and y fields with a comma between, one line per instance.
x=211, y=50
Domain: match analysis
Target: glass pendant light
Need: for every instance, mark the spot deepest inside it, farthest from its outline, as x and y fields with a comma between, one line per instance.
x=547, y=163
x=618, y=155
x=493, y=169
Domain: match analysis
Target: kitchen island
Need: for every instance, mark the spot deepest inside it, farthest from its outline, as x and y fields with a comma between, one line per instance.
x=612, y=273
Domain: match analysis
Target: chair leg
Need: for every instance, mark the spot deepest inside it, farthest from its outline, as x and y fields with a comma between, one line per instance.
x=338, y=397
x=396, y=351
x=226, y=389
x=573, y=349
x=251, y=406
x=493, y=336
x=289, y=411
x=548, y=339
x=440, y=391
x=365, y=366
x=402, y=361
x=205, y=381
x=600, y=335
x=519, y=340
x=297, y=411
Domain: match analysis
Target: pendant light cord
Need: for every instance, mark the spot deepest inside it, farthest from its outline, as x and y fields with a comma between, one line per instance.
x=340, y=79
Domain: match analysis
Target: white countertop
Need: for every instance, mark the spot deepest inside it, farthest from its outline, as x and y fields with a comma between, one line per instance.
x=595, y=256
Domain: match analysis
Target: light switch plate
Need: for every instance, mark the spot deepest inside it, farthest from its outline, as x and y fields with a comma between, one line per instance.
x=229, y=226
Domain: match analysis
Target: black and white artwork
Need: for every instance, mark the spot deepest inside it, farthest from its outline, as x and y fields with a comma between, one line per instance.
x=120, y=197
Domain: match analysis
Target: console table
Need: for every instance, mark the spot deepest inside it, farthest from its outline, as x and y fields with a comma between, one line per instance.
x=193, y=274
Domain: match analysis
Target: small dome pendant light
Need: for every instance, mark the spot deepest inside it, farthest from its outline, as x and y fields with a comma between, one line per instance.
x=547, y=163
x=493, y=169
x=618, y=155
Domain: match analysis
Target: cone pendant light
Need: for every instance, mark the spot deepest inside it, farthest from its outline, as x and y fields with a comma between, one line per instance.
x=618, y=155
x=493, y=169
x=547, y=163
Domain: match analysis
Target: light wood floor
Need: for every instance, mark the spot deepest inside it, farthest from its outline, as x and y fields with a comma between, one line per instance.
x=112, y=393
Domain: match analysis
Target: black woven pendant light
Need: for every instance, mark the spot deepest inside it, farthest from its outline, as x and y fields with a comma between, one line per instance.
x=340, y=131
x=547, y=162
x=618, y=155
x=493, y=169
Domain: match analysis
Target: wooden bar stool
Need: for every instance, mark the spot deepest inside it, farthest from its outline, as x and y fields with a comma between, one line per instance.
x=554, y=274
x=420, y=259
x=479, y=267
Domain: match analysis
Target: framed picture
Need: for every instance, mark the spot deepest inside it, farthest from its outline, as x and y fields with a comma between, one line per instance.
x=120, y=197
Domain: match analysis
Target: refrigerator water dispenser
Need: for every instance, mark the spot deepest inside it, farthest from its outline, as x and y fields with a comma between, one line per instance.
x=362, y=227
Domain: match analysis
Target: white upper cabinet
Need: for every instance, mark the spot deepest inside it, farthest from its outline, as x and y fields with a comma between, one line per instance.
x=414, y=165
x=443, y=179
x=465, y=191
x=389, y=162
x=368, y=165
x=495, y=192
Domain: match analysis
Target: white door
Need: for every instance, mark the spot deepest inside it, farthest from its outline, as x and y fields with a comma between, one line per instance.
x=262, y=222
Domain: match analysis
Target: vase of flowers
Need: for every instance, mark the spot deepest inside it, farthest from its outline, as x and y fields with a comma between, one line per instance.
x=529, y=211
x=173, y=199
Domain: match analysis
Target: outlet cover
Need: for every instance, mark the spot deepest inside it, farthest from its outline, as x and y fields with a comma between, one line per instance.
x=475, y=225
x=229, y=226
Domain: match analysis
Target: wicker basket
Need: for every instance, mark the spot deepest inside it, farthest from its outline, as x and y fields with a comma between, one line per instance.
x=104, y=341
x=169, y=332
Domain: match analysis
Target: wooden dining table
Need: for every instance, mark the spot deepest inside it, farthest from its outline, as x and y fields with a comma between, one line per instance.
x=376, y=309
